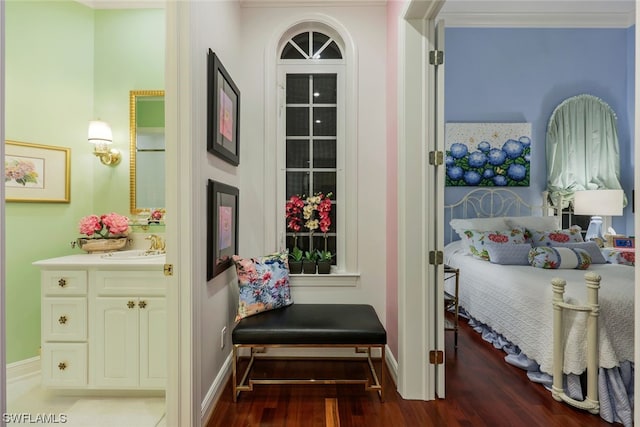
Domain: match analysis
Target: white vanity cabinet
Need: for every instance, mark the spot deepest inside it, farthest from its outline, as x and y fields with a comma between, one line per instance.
x=64, y=328
x=128, y=321
x=103, y=323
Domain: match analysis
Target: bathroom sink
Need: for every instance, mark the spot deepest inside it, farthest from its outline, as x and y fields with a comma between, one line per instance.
x=134, y=254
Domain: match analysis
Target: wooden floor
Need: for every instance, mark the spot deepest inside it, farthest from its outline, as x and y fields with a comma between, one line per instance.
x=482, y=390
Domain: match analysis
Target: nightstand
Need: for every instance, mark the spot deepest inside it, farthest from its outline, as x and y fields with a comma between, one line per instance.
x=451, y=301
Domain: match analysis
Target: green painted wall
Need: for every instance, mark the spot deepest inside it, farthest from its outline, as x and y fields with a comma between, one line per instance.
x=65, y=65
x=129, y=47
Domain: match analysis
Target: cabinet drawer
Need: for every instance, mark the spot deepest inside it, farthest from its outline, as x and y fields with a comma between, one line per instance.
x=60, y=282
x=64, y=319
x=64, y=364
x=129, y=283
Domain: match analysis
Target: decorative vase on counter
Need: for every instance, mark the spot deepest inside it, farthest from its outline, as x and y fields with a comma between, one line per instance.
x=107, y=244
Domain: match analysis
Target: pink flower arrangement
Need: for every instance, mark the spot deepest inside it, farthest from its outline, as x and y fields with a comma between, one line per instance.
x=312, y=213
x=107, y=225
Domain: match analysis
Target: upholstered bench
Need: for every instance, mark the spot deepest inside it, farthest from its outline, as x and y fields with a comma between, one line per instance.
x=311, y=325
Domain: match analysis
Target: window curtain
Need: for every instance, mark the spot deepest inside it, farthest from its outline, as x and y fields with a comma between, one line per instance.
x=582, y=148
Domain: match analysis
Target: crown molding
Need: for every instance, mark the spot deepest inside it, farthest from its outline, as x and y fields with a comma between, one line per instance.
x=538, y=20
x=311, y=3
x=123, y=4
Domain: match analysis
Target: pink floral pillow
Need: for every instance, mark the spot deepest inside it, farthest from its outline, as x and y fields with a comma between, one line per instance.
x=551, y=238
x=479, y=240
x=263, y=284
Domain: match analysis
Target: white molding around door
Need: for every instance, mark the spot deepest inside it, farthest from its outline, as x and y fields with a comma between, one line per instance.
x=417, y=309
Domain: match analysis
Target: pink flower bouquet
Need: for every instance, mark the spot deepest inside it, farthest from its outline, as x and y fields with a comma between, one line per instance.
x=107, y=225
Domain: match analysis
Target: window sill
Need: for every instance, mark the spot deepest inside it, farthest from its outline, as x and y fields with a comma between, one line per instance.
x=332, y=279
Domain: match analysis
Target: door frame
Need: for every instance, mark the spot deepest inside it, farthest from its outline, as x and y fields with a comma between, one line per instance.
x=417, y=279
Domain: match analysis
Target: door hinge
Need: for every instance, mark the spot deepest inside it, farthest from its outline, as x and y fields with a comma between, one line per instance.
x=436, y=57
x=436, y=357
x=168, y=269
x=436, y=158
x=436, y=257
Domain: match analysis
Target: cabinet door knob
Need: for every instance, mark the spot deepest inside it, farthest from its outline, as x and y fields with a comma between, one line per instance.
x=62, y=366
x=62, y=283
x=131, y=304
x=62, y=320
x=142, y=304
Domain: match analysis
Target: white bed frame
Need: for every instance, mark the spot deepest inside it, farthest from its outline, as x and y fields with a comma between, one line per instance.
x=591, y=402
x=497, y=202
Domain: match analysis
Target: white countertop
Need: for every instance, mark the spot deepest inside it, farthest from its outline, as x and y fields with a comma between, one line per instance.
x=100, y=261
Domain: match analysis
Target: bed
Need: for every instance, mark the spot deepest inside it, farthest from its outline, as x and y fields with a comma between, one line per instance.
x=512, y=304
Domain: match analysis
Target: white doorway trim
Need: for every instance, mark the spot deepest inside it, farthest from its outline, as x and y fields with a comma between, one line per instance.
x=183, y=309
x=417, y=308
x=3, y=360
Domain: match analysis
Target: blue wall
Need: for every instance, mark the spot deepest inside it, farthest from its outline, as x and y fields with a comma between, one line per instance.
x=522, y=74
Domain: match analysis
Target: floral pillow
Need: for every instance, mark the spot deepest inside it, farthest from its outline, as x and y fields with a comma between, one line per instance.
x=478, y=240
x=263, y=283
x=559, y=258
x=551, y=238
x=592, y=249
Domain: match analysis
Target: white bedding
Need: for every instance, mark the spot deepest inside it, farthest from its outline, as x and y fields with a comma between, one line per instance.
x=516, y=302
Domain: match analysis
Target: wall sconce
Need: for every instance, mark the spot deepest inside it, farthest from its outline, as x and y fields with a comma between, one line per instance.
x=100, y=135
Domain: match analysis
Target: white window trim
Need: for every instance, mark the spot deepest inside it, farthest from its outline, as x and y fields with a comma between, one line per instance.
x=347, y=272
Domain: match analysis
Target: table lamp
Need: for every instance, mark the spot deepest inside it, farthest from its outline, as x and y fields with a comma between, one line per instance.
x=597, y=203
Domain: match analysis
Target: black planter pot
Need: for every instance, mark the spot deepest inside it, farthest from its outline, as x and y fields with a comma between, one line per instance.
x=324, y=267
x=308, y=267
x=295, y=267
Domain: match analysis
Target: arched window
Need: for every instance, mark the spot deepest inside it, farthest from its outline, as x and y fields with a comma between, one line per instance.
x=582, y=148
x=312, y=134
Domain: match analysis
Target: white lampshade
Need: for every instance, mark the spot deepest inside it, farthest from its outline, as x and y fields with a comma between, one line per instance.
x=598, y=202
x=100, y=132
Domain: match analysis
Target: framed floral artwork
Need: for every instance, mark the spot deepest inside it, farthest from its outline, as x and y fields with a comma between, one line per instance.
x=36, y=173
x=488, y=154
x=222, y=227
x=223, y=107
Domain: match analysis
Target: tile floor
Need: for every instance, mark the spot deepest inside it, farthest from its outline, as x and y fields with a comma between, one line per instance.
x=39, y=406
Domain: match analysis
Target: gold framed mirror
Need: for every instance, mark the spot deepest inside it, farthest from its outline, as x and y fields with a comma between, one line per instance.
x=146, y=150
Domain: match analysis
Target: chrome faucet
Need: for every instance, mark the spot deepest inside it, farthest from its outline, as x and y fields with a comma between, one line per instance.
x=157, y=243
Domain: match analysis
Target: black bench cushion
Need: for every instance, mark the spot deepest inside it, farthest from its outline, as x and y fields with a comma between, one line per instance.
x=312, y=324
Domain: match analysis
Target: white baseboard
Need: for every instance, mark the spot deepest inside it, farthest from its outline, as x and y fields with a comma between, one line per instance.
x=215, y=391
x=392, y=364
x=23, y=369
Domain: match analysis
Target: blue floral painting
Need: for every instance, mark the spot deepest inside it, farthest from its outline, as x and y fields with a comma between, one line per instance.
x=488, y=154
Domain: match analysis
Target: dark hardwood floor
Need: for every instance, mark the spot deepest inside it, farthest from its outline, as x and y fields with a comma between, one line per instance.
x=482, y=390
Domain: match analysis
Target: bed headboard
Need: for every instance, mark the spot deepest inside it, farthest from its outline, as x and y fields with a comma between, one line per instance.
x=494, y=202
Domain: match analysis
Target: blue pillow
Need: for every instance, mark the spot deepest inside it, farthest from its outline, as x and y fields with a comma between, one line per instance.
x=509, y=254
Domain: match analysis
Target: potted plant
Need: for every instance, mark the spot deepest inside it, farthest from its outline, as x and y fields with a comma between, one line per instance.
x=324, y=261
x=309, y=262
x=295, y=261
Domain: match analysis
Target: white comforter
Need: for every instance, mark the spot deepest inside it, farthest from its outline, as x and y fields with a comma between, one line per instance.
x=516, y=302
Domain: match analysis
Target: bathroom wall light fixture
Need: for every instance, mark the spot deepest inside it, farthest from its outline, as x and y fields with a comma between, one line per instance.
x=100, y=135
